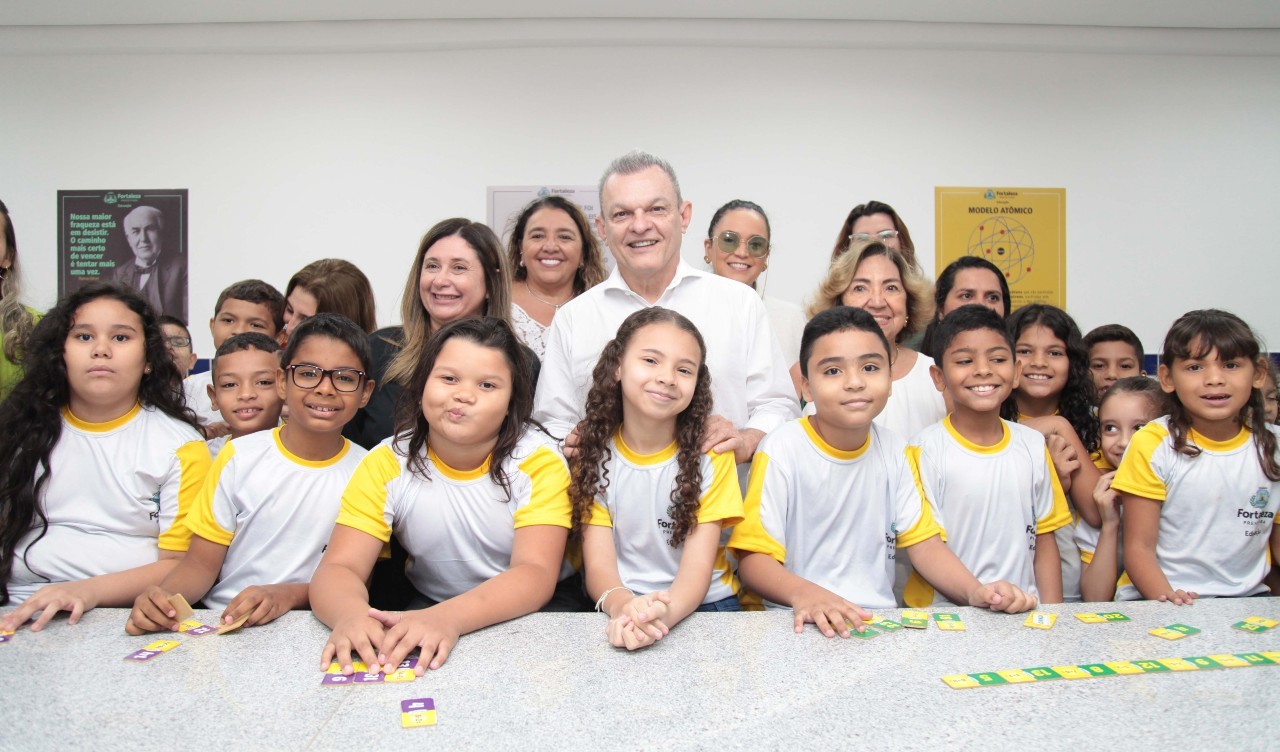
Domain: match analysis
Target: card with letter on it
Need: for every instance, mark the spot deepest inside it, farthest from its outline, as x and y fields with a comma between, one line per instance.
x=233, y=626
x=1178, y=664
x=1123, y=667
x=989, y=678
x=1072, y=672
x=1184, y=629
x=1091, y=618
x=960, y=681
x=866, y=634
x=181, y=607
x=357, y=666
x=152, y=650
x=1262, y=621
x=195, y=628
x=369, y=677
x=949, y=622
x=1226, y=660
x=1151, y=667
x=915, y=619
x=1255, y=659
x=1114, y=616
x=415, y=713
x=1016, y=676
x=1255, y=624
x=1042, y=673
x=885, y=625
x=1098, y=669
x=332, y=680
x=1040, y=620
x=1167, y=633
x=404, y=672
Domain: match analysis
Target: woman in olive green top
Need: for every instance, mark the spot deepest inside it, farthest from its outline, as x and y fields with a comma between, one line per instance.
x=16, y=319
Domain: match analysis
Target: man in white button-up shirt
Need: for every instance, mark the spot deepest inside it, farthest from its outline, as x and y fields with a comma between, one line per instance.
x=642, y=218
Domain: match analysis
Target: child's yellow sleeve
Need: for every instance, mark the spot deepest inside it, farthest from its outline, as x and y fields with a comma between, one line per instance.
x=722, y=498
x=764, y=508
x=364, y=502
x=193, y=467
x=202, y=519
x=1137, y=473
x=548, y=502
x=600, y=516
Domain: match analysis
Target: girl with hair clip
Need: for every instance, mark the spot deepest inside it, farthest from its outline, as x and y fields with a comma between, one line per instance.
x=554, y=257
x=476, y=495
x=329, y=286
x=1126, y=407
x=99, y=460
x=1200, y=486
x=648, y=504
x=16, y=319
x=1055, y=396
x=965, y=281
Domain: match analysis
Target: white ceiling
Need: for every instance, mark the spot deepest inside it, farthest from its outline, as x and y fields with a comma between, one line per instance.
x=1224, y=14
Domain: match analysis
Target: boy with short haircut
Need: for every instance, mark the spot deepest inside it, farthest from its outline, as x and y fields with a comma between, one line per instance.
x=991, y=482
x=177, y=340
x=831, y=497
x=250, y=305
x=245, y=389
x=1115, y=352
x=263, y=518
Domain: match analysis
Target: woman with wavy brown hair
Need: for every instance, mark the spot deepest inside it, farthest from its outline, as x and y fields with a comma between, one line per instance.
x=648, y=504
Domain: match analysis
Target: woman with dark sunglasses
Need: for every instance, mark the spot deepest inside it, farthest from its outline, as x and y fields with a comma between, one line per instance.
x=737, y=247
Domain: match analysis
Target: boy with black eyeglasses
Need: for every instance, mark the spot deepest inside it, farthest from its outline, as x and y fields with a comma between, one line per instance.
x=263, y=518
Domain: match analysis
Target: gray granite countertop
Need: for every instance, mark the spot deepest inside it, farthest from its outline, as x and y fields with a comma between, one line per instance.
x=718, y=681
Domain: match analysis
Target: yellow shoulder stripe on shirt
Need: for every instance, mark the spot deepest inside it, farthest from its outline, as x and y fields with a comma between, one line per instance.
x=1136, y=475
x=549, y=499
x=750, y=534
x=201, y=519
x=1060, y=514
x=364, y=502
x=723, y=500
x=193, y=464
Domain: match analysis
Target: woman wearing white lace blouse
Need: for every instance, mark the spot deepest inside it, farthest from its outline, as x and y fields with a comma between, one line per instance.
x=879, y=280
x=555, y=257
x=737, y=247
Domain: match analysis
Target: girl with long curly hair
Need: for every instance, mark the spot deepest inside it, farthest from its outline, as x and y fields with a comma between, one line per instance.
x=99, y=460
x=648, y=504
x=1055, y=395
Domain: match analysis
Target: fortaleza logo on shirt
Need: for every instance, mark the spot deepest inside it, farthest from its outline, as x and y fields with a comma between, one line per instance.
x=1258, y=501
x=155, y=499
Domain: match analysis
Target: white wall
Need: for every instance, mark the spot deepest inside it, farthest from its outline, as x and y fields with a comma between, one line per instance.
x=1170, y=161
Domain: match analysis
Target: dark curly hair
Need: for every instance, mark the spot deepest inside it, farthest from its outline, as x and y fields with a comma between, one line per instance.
x=589, y=476
x=1196, y=334
x=32, y=415
x=486, y=332
x=1078, y=395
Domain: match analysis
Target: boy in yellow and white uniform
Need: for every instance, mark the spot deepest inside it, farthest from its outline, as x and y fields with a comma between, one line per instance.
x=991, y=482
x=832, y=497
x=272, y=509
x=264, y=515
x=144, y=470
x=637, y=501
x=459, y=526
x=1216, y=515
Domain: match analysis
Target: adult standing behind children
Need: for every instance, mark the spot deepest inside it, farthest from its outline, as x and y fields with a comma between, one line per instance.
x=553, y=257
x=329, y=286
x=879, y=280
x=739, y=242
x=16, y=320
x=642, y=220
x=458, y=273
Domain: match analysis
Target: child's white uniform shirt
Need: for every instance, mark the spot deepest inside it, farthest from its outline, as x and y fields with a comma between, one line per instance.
x=196, y=389
x=635, y=505
x=836, y=518
x=272, y=509
x=992, y=500
x=116, y=494
x=1216, y=510
x=458, y=527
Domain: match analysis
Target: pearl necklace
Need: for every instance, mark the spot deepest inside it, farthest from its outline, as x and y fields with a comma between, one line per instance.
x=542, y=300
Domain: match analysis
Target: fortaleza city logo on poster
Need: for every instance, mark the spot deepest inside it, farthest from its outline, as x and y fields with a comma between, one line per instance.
x=1020, y=231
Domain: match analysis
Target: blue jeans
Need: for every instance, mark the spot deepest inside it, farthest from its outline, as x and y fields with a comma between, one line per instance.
x=725, y=604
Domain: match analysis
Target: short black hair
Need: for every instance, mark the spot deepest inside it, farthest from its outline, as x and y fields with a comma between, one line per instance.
x=255, y=291
x=165, y=318
x=967, y=318
x=837, y=319
x=1114, y=333
x=335, y=326
x=241, y=342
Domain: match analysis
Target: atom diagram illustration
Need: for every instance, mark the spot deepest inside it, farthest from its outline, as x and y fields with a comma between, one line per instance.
x=1006, y=243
